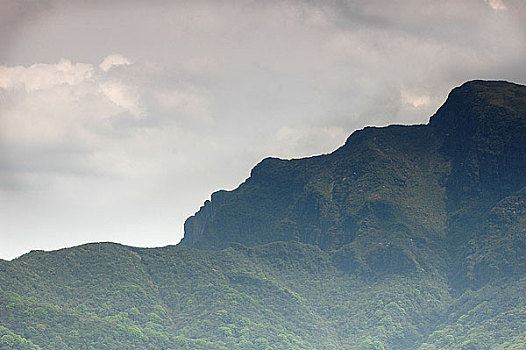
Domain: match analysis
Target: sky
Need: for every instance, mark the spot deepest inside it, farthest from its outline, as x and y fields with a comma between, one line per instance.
x=119, y=118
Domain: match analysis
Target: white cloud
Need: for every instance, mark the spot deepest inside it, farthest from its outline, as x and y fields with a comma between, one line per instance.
x=44, y=76
x=121, y=95
x=415, y=99
x=112, y=61
x=108, y=121
x=497, y=5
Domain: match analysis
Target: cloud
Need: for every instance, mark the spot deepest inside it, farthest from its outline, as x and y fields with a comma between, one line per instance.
x=497, y=5
x=121, y=95
x=415, y=99
x=44, y=76
x=112, y=61
x=79, y=118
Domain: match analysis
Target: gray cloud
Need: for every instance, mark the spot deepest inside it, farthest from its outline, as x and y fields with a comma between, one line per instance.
x=119, y=118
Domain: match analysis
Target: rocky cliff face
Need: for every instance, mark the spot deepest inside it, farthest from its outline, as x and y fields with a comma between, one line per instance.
x=482, y=127
x=397, y=190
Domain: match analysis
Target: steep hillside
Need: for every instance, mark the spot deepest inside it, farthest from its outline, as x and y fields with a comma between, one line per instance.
x=406, y=237
x=420, y=192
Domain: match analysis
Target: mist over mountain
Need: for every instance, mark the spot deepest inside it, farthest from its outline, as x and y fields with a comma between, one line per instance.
x=406, y=237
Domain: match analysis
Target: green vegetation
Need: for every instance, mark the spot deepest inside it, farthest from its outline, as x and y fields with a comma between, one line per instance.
x=407, y=237
x=275, y=296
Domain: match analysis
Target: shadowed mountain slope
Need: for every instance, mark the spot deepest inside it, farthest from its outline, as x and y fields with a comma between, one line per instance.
x=408, y=190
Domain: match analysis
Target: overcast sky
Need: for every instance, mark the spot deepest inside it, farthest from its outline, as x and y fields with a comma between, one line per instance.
x=118, y=119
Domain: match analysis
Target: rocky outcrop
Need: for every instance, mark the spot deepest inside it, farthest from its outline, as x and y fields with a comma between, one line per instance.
x=396, y=191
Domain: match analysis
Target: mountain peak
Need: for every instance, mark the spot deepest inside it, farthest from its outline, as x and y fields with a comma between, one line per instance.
x=481, y=101
x=424, y=182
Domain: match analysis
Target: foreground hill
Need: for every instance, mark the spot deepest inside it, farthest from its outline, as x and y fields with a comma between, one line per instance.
x=406, y=237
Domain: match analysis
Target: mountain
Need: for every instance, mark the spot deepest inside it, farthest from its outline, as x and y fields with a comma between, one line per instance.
x=410, y=189
x=406, y=237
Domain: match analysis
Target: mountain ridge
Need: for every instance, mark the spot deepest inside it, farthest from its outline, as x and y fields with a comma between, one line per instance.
x=418, y=186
